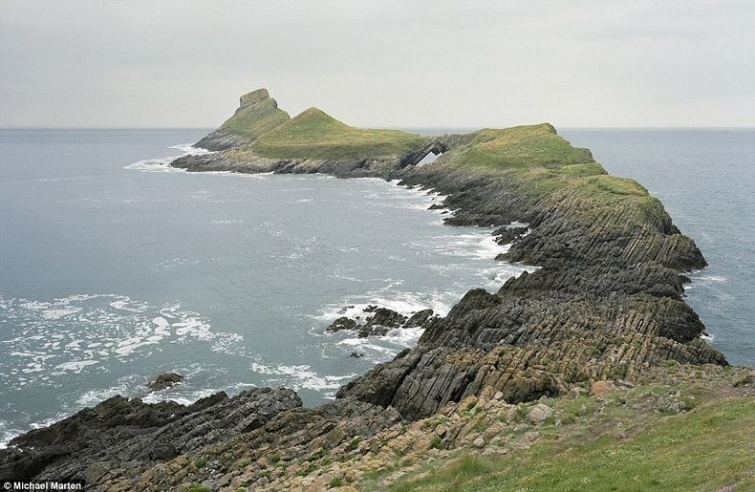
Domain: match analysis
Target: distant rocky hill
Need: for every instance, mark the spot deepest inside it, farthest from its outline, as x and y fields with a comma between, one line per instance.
x=257, y=114
x=605, y=304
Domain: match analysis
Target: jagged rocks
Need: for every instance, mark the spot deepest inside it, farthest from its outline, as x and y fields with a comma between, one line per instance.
x=128, y=432
x=507, y=235
x=164, y=381
x=379, y=321
x=297, y=439
x=342, y=323
x=418, y=319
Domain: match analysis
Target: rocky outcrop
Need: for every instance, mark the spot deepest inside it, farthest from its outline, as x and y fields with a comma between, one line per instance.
x=606, y=303
x=164, y=381
x=297, y=435
x=257, y=114
x=123, y=434
x=247, y=161
x=379, y=321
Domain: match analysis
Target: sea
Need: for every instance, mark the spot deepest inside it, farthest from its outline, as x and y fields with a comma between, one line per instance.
x=115, y=268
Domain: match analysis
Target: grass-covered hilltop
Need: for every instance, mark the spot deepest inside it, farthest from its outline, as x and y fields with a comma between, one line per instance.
x=589, y=373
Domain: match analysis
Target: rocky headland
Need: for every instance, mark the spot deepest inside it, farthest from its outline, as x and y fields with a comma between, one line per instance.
x=604, y=307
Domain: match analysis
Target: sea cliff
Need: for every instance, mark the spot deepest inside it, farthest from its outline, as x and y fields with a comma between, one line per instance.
x=604, y=307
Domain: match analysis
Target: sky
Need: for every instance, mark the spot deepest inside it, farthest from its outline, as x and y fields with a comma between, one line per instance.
x=403, y=63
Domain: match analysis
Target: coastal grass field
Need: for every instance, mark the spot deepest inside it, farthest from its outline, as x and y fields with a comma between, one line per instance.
x=622, y=441
x=542, y=165
x=313, y=134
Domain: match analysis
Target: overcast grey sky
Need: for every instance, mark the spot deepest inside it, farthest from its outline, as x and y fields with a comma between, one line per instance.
x=183, y=63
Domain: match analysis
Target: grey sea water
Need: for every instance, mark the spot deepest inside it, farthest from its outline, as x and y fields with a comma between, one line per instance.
x=114, y=268
x=705, y=180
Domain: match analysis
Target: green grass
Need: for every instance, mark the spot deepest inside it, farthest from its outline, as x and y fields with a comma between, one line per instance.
x=544, y=166
x=314, y=134
x=252, y=125
x=252, y=121
x=523, y=147
x=702, y=450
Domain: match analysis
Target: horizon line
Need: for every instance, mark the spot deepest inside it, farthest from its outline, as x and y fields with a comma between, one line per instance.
x=402, y=127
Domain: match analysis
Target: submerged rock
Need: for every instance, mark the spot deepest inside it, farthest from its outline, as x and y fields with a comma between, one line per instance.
x=342, y=323
x=164, y=381
x=379, y=321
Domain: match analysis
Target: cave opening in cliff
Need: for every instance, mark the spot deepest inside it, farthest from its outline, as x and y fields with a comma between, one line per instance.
x=431, y=157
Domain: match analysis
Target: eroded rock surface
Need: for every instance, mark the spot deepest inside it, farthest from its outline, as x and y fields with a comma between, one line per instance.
x=127, y=433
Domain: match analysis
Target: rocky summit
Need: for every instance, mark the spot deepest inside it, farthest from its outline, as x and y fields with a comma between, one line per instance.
x=257, y=114
x=603, y=311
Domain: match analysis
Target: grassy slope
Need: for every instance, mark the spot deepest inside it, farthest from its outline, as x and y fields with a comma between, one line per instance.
x=623, y=441
x=541, y=164
x=258, y=114
x=315, y=135
x=251, y=125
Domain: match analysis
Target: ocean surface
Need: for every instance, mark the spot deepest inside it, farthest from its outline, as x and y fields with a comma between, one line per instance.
x=115, y=268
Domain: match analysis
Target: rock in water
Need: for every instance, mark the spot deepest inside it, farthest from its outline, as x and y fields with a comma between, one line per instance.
x=342, y=323
x=164, y=381
x=418, y=319
x=383, y=320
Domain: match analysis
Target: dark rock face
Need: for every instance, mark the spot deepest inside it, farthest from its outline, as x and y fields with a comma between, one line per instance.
x=418, y=319
x=507, y=235
x=296, y=435
x=382, y=321
x=342, y=323
x=131, y=433
x=605, y=304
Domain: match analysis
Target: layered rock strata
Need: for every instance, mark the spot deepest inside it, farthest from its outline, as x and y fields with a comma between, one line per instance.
x=125, y=436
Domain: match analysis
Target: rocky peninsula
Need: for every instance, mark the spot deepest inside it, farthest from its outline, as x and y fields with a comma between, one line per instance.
x=599, y=327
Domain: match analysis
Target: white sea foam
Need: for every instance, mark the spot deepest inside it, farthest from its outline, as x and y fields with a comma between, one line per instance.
x=300, y=377
x=405, y=303
x=383, y=348
x=75, y=365
x=704, y=280
x=83, y=333
x=162, y=165
x=189, y=149
x=7, y=433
